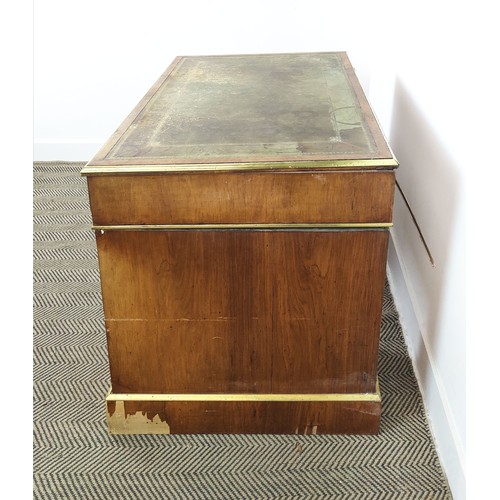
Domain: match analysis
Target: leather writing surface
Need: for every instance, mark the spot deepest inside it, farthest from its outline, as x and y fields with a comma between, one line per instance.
x=249, y=108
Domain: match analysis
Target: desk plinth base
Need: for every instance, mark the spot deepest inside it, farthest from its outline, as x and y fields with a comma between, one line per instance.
x=244, y=413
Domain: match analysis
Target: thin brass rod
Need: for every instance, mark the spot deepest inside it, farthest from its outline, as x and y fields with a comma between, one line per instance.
x=407, y=203
x=164, y=227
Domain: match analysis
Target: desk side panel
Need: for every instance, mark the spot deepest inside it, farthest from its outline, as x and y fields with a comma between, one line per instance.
x=243, y=311
x=242, y=198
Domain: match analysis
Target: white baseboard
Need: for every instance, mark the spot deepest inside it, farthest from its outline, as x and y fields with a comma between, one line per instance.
x=441, y=423
x=64, y=151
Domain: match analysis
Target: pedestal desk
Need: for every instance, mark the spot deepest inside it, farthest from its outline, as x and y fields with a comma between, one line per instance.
x=241, y=214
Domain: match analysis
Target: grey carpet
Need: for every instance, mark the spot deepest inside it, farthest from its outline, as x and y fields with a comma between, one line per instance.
x=74, y=457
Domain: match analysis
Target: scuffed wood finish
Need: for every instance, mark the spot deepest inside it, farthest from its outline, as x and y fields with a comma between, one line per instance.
x=223, y=198
x=245, y=417
x=242, y=311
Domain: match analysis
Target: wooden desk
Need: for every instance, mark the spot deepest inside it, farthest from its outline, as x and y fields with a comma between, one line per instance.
x=241, y=214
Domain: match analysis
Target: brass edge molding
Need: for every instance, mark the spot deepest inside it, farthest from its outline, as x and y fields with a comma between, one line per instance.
x=373, y=397
x=201, y=167
x=162, y=227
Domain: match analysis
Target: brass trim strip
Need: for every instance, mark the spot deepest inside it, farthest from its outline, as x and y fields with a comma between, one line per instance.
x=201, y=167
x=162, y=227
x=375, y=397
x=414, y=219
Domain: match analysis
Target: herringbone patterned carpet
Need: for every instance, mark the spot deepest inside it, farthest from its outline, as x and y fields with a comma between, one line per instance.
x=74, y=457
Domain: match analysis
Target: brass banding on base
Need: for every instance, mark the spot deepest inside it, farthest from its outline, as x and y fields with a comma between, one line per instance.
x=375, y=397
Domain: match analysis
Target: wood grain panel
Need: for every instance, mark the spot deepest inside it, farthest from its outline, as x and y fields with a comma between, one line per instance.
x=246, y=417
x=242, y=311
x=239, y=198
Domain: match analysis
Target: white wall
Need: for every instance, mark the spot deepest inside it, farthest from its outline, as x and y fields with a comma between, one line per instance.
x=94, y=60
x=418, y=86
x=435, y=89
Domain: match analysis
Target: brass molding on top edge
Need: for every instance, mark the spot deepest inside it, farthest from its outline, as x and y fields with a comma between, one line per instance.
x=209, y=167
